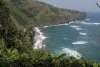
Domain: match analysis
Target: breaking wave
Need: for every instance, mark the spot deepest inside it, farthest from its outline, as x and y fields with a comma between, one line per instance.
x=38, y=39
x=70, y=52
x=65, y=38
x=79, y=42
x=81, y=33
x=55, y=25
x=76, y=27
x=90, y=23
x=87, y=19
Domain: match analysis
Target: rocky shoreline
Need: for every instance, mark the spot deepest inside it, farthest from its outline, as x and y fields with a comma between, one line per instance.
x=39, y=37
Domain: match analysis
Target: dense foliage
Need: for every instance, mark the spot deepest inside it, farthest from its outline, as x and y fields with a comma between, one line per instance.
x=11, y=35
x=16, y=51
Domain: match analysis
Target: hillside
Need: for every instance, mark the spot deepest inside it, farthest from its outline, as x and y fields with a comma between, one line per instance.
x=25, y=12
x=16, y=49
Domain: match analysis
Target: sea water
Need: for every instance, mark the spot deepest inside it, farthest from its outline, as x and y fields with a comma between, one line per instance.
x=77, y=38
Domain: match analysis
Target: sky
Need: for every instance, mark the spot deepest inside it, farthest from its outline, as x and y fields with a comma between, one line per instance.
x=80, y=5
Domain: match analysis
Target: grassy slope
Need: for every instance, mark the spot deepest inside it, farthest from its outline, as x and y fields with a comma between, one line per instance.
x=25, y=12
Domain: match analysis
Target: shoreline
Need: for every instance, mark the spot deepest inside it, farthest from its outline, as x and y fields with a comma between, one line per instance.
x=39, y=37
x=56, y=24
x=63, y=23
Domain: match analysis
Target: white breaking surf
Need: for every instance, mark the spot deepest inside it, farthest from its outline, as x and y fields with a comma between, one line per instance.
x=70, y=52
x=38, y=39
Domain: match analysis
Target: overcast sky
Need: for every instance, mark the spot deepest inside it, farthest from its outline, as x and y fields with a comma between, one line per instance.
x=80, y=5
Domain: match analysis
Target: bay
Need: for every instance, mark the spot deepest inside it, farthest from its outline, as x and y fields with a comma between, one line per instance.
x=78, y=38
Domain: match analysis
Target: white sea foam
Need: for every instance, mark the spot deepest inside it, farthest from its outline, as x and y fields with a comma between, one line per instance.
x=79, y=42
x=87, y=19
x=76, y=27
x=81, y=33
x=90, y=23
x=60, y=24
x=56, y=25
x=65, y=38
x=96, y=23
x=71, y=22
x=86, y=23
x=70, y=52
x=46, y=26
x=38, y=39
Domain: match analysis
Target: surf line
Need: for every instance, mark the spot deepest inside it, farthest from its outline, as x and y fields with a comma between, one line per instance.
x=38, y=39
x=55, y=25
x=60, y=24
x=70, y=52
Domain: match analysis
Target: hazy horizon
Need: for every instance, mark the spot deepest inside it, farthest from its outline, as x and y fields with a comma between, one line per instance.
x=80, y=5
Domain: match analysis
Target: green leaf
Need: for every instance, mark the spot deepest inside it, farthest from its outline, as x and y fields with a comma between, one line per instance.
x=61, y=56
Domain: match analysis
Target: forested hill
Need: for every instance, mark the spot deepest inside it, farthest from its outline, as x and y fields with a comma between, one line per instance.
x=16, y=45
x=27, y=11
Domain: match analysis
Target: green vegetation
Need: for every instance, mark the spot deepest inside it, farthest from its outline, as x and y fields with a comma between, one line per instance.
x=27, y=12
x=16, y=45
x=11, y=35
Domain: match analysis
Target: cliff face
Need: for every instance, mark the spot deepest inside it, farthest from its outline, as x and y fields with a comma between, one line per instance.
x=28, y=12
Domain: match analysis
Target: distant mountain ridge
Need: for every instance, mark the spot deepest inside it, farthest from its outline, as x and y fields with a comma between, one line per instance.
x=28, y=12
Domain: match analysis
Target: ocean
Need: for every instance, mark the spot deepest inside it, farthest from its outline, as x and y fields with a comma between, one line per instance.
x=79, y=38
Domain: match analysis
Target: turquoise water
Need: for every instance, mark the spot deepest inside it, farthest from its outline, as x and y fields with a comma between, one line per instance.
x=78, y=38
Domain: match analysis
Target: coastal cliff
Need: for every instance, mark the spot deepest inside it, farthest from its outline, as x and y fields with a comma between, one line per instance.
x=28, y=12
x=16, y=48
